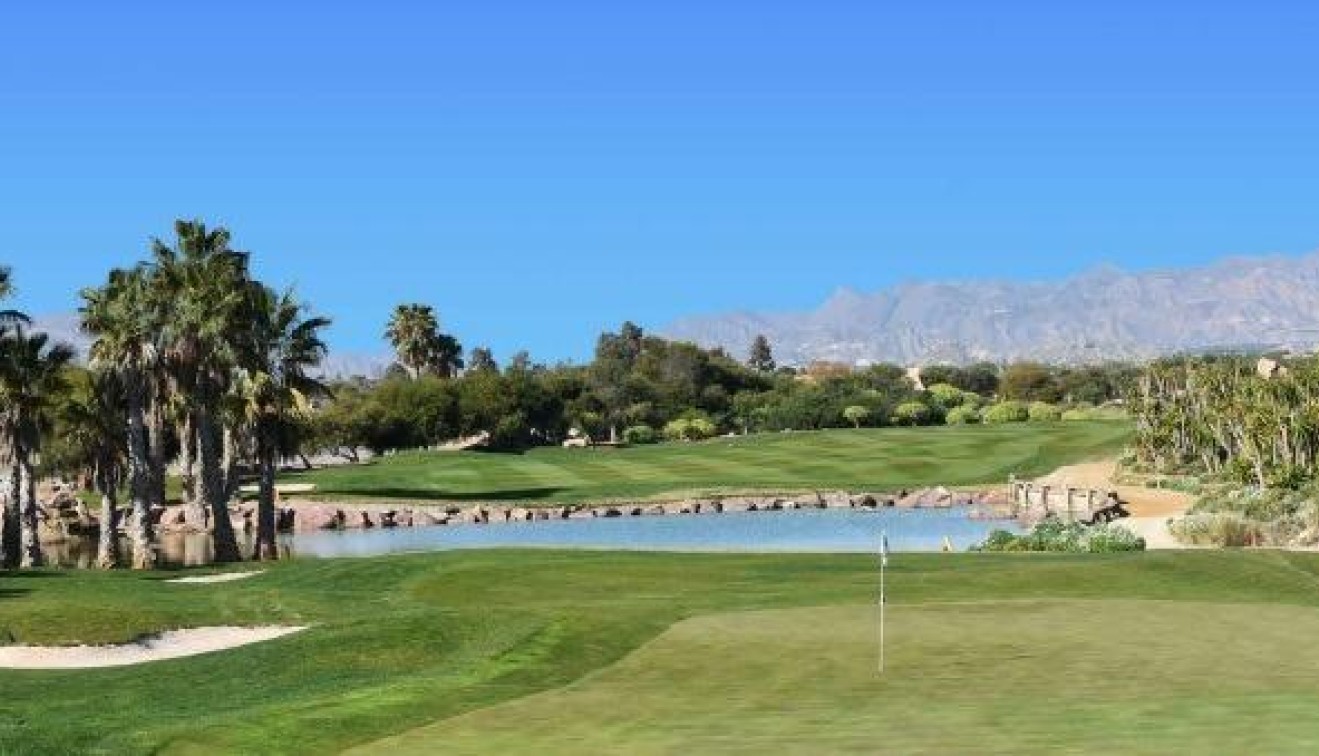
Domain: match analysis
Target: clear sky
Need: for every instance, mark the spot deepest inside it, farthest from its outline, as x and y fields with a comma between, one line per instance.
x=541, y=170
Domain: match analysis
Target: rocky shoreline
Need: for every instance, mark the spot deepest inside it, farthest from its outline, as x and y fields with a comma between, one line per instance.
x=66, y=517
x=295, y=516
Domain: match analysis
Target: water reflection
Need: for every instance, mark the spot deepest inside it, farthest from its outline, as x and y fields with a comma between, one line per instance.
x=817, y=530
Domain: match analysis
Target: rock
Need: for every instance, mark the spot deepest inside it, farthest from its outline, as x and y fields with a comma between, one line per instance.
x=317, y=517
x=838, y=500
x=867, y=501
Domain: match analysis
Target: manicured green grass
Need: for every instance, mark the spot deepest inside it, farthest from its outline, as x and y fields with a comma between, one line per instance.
x=888, y=458
x=637, y=653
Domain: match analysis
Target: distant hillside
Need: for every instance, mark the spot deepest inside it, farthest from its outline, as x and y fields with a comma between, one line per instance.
x=1103, y=314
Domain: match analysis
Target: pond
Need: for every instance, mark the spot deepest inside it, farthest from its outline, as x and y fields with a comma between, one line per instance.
x=805, y=530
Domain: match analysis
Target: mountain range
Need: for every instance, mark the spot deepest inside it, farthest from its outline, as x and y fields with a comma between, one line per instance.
x=1105, y=313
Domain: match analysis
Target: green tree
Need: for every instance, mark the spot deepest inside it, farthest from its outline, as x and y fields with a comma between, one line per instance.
x=856, y=414
x=761, y=357
x=414, y=332
x=284, y=345
x=91, y=427
x=205, y=284
x=31, y=374
x=1006, y=412
x=912, y=413
x=120, y=319
x=1030, y=382
x=482, y=360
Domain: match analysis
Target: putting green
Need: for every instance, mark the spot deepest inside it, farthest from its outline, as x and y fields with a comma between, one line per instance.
x=1001, y=676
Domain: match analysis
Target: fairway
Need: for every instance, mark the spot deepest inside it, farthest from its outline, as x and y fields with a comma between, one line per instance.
x=502, y=651
x=883, y=459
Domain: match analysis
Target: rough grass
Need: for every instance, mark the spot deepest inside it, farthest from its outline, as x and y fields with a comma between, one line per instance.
x=1156, y=652
x=888, y=458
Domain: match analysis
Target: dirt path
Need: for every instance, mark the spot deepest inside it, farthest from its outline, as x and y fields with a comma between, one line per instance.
x=1143, y=502
x=1150, y=507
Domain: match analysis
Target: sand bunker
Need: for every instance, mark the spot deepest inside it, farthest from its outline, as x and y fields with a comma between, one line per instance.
x=171, y=644
x=223, y=577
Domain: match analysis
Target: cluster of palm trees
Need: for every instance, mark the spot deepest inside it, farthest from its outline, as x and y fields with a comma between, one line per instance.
x=193, y=364
x=1253, y=422
x=31, y=375
x=414, y=332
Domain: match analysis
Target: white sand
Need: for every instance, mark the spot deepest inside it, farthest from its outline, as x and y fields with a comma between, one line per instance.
x=171, y=644
x=223, y=577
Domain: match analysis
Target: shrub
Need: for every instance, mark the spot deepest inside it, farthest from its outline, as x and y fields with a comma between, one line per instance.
x=1043, y=412
x=947, y=395
x=856, y=414
x=911, y=413
x=963, y=415
x=689, y=429
x=1217, y=529
x=1055, y=536
x=1007, y=412
x=640, y=434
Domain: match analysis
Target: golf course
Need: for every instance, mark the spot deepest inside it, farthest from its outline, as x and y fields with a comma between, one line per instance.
x=570, y=652
x=867, y=459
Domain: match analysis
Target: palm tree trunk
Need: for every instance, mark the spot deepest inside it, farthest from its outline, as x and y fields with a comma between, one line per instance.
x=209, y=441
x=9, y=539
x=30, y=548
x=194, y=505
x=106, y=556
x=265, y=508
x=156, y=453
x=139, y=522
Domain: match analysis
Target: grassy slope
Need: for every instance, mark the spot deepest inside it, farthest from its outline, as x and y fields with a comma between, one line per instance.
x=876, y=459
x=402, y=642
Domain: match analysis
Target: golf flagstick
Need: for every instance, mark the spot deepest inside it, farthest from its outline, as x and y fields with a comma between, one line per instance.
x=884, y=562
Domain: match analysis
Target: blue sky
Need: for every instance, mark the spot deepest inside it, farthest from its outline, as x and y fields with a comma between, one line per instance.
x=541, y=171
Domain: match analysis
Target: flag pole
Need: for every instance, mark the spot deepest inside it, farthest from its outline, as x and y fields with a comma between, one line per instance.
x=883, y=562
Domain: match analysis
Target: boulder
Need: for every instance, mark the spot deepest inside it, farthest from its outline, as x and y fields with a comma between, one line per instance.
x=317, y=517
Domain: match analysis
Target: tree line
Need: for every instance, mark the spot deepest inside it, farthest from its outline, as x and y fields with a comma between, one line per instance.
x=1243, y=419
x=199, y=378
x=194, y=365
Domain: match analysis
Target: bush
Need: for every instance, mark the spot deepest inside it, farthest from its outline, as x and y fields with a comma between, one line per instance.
x=1217, y=529
x=963, y=415
x=1043, y=412
x=1055, y=536
x=947, y=395
x=1007, y=412
x=689, y=429
x=640, y=434
x=911, y=413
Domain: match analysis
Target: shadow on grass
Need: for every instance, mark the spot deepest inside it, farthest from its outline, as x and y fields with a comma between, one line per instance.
x=504, y=494
x=49, y=572
x=8, y=593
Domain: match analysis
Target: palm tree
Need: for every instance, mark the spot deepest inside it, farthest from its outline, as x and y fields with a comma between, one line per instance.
x=10, y=317
x=278, y=391
x=120, y=317
x=93, y=423
x=205, y=283
x=31, y=374
x=414, y=333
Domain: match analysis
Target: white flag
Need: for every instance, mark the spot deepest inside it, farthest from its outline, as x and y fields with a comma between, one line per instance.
x=883, y=549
